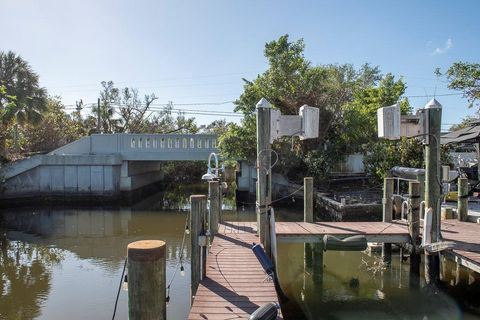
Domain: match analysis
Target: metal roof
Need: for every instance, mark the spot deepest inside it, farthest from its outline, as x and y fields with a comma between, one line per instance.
x=465, y=135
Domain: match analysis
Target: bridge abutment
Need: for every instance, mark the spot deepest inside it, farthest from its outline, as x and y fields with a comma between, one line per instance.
x=102, y=165
x=138, y=174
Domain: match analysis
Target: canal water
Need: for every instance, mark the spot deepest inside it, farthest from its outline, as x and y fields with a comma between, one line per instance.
x=59, y=262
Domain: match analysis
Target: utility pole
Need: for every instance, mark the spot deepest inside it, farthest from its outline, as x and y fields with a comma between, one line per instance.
x=99, y=119
x=433, y=186
x=264, y=191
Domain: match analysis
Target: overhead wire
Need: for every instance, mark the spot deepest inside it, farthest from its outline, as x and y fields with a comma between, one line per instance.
x=180, y=260
x=119, y=288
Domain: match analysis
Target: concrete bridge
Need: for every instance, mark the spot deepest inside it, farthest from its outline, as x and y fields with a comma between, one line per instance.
x=102, y=164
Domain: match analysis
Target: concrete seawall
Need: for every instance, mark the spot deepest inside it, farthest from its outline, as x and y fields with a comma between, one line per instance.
x=76, y=175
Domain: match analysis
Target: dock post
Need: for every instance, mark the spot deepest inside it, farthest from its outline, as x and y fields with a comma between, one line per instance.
x=432, y=186
x=462, y=204
x=198, y=249
x=308, y=199
x=414, y=232
x=146, y=280
x=307, y=217
x=214, y=196
x=421, y=180
x=317, y=264
x=264, y=194
x=388, y=185
x=387, y=199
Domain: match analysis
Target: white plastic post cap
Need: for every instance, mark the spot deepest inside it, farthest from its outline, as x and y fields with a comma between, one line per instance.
x=433, y=104
x=263, y=103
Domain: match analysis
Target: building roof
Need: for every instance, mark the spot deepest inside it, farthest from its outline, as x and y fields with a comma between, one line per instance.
x=470, y=134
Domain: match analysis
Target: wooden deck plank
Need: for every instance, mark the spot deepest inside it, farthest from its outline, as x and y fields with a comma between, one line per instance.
x=465, y=235
x=227, y=291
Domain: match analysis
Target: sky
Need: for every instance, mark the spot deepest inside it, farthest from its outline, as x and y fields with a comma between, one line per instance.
x=195, y=53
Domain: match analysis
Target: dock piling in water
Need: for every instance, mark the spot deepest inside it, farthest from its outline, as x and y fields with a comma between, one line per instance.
x=414, y=232
x=264, y=174
x=462, y=207
x=433, y=186
x=308, y=199
x=388, y=185
x=215, y=205
x=198, y=250
x=146, y=280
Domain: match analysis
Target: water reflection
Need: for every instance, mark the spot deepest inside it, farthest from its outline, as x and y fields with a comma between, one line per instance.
x=59, y=262
x=25, y=274
x=357, y=285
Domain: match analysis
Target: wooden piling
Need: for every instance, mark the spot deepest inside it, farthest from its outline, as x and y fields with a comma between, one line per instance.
x=308, y=199
x=432, y=186
x=308, y=217
x=388, y=199
x=317, y=264
x=414, y=232
x=462, y=202
x=264, y=191
x=146, y=280
x=198, y=211
x=421, y=180
x=214, y=196
x=388, y=185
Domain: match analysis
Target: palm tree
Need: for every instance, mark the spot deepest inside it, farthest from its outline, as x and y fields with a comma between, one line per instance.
x=22, y=100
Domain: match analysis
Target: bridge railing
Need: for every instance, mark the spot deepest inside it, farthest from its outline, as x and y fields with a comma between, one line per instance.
x=154, y=142
x=145, y=146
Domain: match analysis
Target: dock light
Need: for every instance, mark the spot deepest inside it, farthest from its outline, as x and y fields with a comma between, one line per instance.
x=187, y=229
x=210, y=175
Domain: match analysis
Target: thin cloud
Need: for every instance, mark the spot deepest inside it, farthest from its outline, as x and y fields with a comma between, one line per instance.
x=448, y=46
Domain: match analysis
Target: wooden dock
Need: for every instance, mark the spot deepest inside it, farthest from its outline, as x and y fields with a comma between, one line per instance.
x=236, y=285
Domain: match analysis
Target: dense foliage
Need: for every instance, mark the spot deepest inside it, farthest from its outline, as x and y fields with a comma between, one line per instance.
x=465, y=77
x=348, y=99
x=22, y=100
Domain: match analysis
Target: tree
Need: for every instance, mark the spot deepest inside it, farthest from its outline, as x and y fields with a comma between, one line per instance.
x=290, y=82
x=385, y=154
x=22, y=100
x=122, y=110
x=465, y=77
x=217, y=127
x=57, y=129
x=133, y=110
x=466, y=122
x=163, y=121
x=360, y=115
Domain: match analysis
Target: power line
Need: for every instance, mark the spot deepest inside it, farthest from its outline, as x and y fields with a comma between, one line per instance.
x=178, y=111
x=216, y=103
x=435, y=95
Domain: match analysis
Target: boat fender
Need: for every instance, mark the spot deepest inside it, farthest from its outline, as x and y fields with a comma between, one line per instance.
x=268, y=311
x=267, y=265
x=263, y=259
x=354, y=243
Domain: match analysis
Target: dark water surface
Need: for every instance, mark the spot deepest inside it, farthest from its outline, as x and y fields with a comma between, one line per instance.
x=357, y=285
x=65, y=263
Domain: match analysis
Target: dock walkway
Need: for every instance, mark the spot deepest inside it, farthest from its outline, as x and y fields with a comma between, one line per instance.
x=235, y=284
